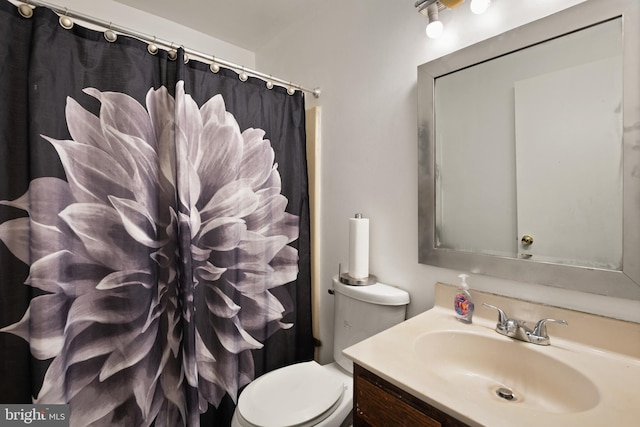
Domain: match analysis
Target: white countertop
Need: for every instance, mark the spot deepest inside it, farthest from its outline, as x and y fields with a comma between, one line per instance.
x=604, y=350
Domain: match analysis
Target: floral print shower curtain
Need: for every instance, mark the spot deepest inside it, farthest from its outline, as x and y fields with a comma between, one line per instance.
x=154, y=230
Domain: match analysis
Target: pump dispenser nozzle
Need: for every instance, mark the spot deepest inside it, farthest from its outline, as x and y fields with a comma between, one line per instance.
x=463, y=283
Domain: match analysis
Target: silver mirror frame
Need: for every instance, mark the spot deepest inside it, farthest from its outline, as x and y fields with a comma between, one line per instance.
x=621, y=284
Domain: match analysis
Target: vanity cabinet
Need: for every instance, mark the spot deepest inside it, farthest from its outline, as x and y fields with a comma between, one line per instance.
x=379, y=403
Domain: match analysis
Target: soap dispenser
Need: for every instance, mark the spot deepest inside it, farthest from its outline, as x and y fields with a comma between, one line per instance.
x=463, y=303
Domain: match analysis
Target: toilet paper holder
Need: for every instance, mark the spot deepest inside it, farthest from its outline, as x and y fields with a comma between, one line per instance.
x=358, y=274
x=352, y=281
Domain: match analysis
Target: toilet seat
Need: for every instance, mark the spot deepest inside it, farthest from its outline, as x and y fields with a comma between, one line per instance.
x=296, y=395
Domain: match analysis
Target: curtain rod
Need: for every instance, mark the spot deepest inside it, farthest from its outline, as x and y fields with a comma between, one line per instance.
x=171, y=45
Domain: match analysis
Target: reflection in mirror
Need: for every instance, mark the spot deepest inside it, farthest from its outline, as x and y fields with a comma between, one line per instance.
x=549, y=155
x=529, y=162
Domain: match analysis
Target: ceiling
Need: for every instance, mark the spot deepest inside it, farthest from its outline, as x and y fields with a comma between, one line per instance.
x=245, y=23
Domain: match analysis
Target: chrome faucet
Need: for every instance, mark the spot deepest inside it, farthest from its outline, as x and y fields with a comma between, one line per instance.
x=514, y=328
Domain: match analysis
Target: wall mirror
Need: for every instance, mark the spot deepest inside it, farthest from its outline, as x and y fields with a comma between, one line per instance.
x=529, y=153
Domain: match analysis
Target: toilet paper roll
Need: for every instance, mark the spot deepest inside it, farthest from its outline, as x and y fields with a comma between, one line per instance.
x=359, y=248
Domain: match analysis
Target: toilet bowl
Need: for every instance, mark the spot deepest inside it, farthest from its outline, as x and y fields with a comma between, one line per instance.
x=309, y=394
x=300, y=395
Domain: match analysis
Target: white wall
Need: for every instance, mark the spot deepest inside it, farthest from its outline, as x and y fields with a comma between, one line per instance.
x=364, y=55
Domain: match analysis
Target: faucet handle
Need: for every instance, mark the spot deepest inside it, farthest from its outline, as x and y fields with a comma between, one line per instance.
x=505, y=325
x=540, y=330
x=503, y=319
x=502, y=316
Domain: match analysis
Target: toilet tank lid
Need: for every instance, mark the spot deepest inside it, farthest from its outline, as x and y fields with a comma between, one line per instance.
x=378, y=293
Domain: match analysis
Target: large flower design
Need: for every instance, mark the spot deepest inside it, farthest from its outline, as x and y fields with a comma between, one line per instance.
x=155, y=260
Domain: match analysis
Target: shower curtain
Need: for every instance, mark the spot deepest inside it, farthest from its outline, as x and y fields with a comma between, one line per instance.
x=154, y=228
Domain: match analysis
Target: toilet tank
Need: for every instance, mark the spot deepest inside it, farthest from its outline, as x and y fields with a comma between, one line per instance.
x=361, y=312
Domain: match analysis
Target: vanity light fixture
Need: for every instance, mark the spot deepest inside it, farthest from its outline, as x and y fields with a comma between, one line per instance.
x=479, y=6
x=451, y=4
x=435, y=27
x=431, y=9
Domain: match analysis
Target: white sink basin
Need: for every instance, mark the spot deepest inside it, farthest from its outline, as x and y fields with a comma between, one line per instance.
x=587, y=377
x=499, y=368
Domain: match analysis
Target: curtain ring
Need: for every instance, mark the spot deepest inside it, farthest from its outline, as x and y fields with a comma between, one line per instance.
x=185, y=57
x=214, y=67
x=172, y=53
x=243, y=76
x=290, y=89
x=65, y=21
x=25, y=10
x=110, y=35
x=152, y=48
x=269, y=82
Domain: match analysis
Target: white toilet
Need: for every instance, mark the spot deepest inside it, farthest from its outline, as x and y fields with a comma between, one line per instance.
x=310, y=394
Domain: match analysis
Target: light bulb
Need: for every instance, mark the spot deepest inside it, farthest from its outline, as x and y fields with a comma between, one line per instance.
x=434, y=29
x=479, y=6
